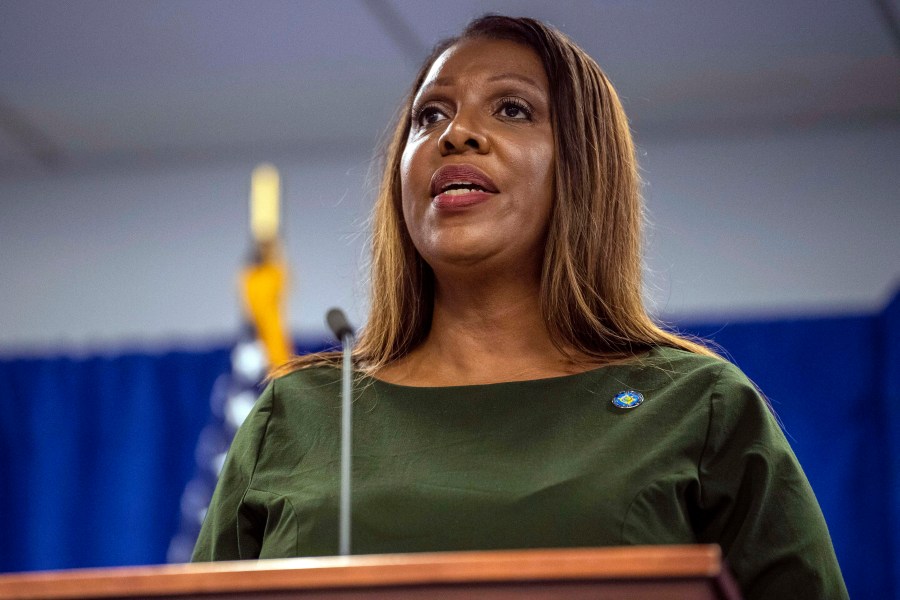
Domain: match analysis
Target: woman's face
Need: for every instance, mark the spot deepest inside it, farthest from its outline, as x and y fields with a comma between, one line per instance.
x=477, y=170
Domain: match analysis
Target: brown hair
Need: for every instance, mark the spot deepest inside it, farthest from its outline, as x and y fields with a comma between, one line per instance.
x=591, y=292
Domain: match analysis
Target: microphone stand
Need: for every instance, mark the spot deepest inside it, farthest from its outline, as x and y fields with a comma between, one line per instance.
x=338, y=323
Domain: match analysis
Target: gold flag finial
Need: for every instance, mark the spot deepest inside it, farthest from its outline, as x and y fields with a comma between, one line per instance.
x=265, y=199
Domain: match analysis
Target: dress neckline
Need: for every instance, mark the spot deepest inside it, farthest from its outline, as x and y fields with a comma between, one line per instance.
x=540, y=381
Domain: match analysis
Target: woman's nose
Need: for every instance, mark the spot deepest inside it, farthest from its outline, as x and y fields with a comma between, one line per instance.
x=461, y=135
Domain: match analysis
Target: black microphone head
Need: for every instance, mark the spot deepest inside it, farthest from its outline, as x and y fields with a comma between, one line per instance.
x=337, y=322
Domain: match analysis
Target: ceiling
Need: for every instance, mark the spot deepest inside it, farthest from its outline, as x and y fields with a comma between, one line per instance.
x=99, y=82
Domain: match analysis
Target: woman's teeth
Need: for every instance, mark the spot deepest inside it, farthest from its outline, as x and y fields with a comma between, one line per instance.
x=460, y=191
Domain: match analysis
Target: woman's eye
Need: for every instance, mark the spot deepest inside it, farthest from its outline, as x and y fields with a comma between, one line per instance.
x=512, y=109
x=429, y=115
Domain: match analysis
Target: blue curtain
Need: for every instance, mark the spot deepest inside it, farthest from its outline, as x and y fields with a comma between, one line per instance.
x=96, y=451
x=835, y=384
x=94, y=454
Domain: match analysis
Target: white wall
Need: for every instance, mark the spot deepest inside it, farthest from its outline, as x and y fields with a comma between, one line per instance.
x=151, y=255
x=112, y=258
x=774, y=225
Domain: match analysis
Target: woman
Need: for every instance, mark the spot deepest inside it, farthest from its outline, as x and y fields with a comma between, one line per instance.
x=512, y=391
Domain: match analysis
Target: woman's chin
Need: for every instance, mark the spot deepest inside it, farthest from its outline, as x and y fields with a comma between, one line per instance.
x=452, y=259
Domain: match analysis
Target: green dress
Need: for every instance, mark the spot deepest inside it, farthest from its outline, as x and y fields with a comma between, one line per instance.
x=529, y=464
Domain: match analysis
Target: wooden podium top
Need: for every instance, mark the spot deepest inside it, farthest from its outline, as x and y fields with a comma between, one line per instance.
x=660, y=571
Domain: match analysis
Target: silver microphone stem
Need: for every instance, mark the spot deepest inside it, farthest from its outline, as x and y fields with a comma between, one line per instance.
x=346, y=431
x=337, y=322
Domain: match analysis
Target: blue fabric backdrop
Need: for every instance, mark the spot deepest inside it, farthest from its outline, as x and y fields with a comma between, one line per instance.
x=835, y=384
x=95, y=452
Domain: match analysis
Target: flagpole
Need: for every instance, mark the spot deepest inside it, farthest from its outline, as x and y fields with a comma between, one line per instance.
x=265, y=278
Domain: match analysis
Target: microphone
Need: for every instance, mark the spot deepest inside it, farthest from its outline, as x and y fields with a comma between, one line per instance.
x=337, y=322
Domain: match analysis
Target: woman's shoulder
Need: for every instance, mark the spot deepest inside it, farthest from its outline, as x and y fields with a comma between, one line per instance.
x=306, y=377
x=682, y=359
x=306, y=386
x=696, y=379
x=674, y=365
x=717, y=384
x=676, y=361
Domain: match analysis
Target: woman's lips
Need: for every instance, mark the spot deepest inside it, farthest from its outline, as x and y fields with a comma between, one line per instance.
x=447, y=201
x=460, y=186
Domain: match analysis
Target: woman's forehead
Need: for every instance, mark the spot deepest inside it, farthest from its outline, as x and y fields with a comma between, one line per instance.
x=485, y=59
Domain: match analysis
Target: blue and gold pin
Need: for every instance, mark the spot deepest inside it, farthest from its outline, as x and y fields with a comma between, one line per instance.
x=628, y=399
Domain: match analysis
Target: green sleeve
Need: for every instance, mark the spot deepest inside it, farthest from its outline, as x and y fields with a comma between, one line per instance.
x=757, y=504
x=227, y=532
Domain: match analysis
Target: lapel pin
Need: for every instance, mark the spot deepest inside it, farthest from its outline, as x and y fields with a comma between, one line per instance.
x=628, y=399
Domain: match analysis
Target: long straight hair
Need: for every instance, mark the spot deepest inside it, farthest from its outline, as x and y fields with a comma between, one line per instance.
x=591, y=286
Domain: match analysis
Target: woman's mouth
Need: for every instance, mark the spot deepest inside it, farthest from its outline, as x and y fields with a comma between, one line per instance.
x=461, y=197
x=460, y=186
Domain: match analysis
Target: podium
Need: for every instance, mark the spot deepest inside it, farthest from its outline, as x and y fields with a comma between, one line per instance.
x=621, y=573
